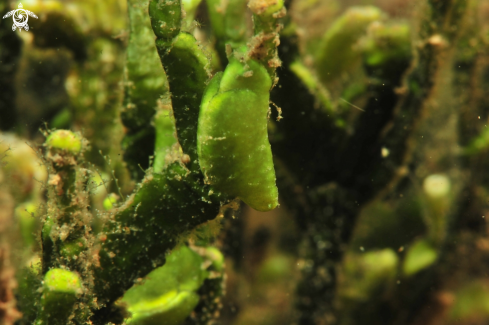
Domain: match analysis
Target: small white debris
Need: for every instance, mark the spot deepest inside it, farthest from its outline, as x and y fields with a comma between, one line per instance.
x=64, y=232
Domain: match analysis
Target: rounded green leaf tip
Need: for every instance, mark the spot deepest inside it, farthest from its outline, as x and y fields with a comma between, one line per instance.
x=419, y=256
x=169, y=293
x=437, y=186
x=337, y=52
x=60, y=280
x=64, y=140
x=381, y=262
x=387, y=43
x=368, y=274
x=171, y=309
x=166, y=17
x=232, y=138
x=110, y=200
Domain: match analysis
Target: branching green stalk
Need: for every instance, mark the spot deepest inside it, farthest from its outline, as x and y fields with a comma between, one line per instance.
x=196, y=141
x=338, y=189
x=138, y=235
x=149, y=224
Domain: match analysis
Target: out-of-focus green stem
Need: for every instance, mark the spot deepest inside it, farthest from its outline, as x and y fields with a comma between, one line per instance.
x=228, y=24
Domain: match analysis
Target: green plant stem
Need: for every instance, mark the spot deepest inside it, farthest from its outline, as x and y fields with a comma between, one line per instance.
x=186, y=67
x=340, y=203
x=137, y=237
x=228, y=25
x=438, y=38
x=144, y=85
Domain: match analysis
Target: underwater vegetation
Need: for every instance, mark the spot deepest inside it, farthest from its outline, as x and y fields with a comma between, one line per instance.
x=265, y=162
